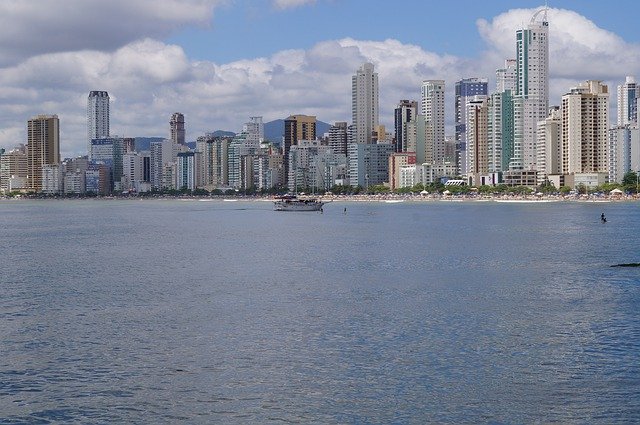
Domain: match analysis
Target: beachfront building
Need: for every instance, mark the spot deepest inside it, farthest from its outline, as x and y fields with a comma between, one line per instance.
x=627, y=102
x=52, y=179
x=432, y=108
x=338, y=137
x=109, y=151
x=303, y=171
x=465, y=90
x=404, y=113
x=96, y=179
x=297, y=127
x=477, y=138
x=531, y=97
x=43, y=147
x=500, y=131
x=397, y=161
x=549, y=145
x=369, y=163
x=13, y=170
x=624, y=151
x=585, y=129
x=97, y=117
x=364, y=103
x=188, y=170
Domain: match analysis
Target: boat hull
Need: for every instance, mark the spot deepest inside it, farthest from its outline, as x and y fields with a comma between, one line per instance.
x=298, y=205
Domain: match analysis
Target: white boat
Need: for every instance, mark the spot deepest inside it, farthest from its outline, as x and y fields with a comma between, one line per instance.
x=293, y=203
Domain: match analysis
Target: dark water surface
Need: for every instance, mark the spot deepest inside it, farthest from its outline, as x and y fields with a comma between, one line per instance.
x=229, y=312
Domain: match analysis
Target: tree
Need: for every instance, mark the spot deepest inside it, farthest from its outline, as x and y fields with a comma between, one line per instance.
x=564, y=190
x=630, y=181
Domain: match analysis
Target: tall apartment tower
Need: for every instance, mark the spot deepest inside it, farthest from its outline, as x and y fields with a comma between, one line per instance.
x=176, y=126
x=405, y=112
x=338, y=137
x=432, y=107
x=43, y=147
x=364, y=103
x=532, y=88
x=477, y=115
x=506, y=77
x=465, y=90
x=627, y=103
x=585, y=129
x=549, y=149
x=97, y=117
x=254, y=129
x=296, y=128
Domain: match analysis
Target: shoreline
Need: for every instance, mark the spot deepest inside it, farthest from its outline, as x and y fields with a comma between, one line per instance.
x=382, y=198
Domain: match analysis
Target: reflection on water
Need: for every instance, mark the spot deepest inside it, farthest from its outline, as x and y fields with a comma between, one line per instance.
x=167, y=311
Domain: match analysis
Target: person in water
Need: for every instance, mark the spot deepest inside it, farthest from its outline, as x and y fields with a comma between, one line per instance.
x=603, y=218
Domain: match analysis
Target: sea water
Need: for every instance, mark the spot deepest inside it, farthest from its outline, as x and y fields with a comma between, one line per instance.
x=168, y=311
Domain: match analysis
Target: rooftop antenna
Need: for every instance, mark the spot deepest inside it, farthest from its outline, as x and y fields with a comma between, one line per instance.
x=542, y=11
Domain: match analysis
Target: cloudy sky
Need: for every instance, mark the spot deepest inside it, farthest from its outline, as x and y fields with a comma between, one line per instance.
x=222, y=61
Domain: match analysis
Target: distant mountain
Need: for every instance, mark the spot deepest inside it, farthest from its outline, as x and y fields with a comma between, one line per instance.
x=223, y=133
x=274, y=130
x=144, y=143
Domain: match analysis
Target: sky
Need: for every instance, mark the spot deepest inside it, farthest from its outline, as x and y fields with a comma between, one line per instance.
x=222, y=61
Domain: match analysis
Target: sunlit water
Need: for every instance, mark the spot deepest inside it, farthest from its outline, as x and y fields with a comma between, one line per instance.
x=228, y=312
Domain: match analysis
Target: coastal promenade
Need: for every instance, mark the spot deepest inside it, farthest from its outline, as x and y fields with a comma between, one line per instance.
x=386, y=197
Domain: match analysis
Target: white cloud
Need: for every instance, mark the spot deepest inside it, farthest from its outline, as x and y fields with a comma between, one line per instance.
x=29, y=27
x=288, y=4
x=149, y=79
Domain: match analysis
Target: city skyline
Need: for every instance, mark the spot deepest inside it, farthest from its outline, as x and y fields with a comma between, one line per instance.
x=153, y=77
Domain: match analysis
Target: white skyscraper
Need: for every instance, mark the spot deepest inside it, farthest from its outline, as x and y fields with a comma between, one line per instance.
x=254, y=130
x=506, y=77
x=364, y=103
x=532, y=88
x=432, y=107
x=97, y=117
x=627, y=104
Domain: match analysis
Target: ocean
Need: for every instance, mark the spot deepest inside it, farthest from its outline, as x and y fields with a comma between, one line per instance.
x=188, y=311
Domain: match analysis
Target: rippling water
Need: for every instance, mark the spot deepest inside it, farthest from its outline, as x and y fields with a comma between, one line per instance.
x=229, y=312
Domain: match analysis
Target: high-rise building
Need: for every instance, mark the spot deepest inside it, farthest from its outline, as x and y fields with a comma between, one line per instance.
x=397, y=160
x=624, y=151
x=364, y=103
x=302, y=167
x=465, y=90
x=627, y=102
x=338, y=137
x=109, y=151
x=500, y=131
x=506, y=77
x=52, y=175
x=549, y=145
x=13, y=169
x=432, y=107
x=187, y=169
x=254, y=129
x=176, y=128
x=43, y=147
x=477, y=137
x=97, y=117
x=532, y=88
x=405, y=112
x=369, y=163
x=585, y=129
x=296, y=128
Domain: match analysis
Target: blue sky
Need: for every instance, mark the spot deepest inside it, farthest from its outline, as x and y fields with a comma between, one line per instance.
x=222, y=61
x=254, y=28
